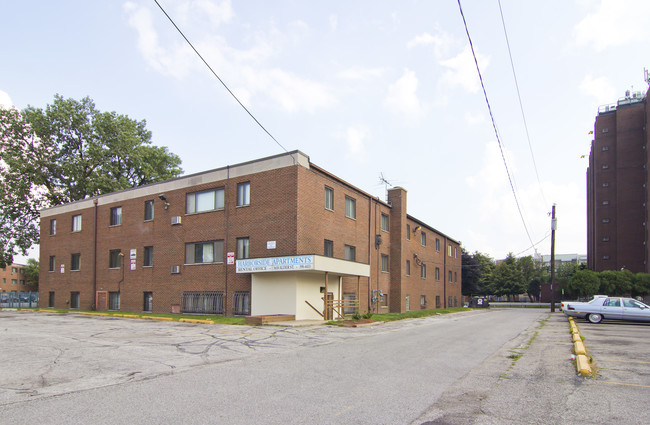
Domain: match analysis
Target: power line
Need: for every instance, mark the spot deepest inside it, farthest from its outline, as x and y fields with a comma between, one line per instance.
x=521, y=106
x=534, y=245
x=496, y=133
x=215, y=74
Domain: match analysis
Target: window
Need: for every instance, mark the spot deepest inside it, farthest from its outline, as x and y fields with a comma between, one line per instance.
x=437, y=245
x=148, y=211
x=450, y=301
x=22, y=282
x=14, y=270
x=349, y=303
x=437, y=273
x=114, y=259
x=241, y=303
x=76, y=223
x=52, y=227
x=350, y=253
x=605, y=220
x=116, y=216
x=208, y=200
x=437, y=301
x=449, y=250
x=450, y=277
x=605, y=166
x=605, y=202
x=113, y=300
x=384, y=263
x=423, y=302
x=606, y=184
x=328, y=250
x=329, y=198
x=350, y=207
x=202, y=302
x=408, y=232
x=148, y=301
x=243, y=248
x=74, y=299
x=14, y=281
x=50, y=299
x=423, y=271
x=605, y=148
x=408, y=267
x=423, y=239
x=243, y=194
x=384, y=222
x=605, y=257
x=52, y=263
x=75, y=262
x=612, y=302
x=455, y=252
x=204, y=252
x=148, y=256
x=605, y=238
x=456, y=277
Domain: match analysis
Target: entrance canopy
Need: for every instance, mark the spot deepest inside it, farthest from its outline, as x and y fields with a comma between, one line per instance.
x=294, y=285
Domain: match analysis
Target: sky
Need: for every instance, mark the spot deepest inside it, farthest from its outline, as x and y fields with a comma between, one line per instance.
x=365, y=88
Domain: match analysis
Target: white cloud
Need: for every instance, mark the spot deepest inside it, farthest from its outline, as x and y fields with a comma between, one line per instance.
x=499, y=228
x=442, y=41
x=461, y=70
x=402, y=98
x=5, y=100
x=614, y=23
x=355, y=137
x=334, y=22
x=358, y=73
x=247, y=69
x=599, y=87
x=474, y=118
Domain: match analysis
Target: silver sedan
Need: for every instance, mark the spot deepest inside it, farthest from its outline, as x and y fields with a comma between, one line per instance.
x=611, y=308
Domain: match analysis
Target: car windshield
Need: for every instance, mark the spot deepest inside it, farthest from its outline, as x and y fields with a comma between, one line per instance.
x=634, y=303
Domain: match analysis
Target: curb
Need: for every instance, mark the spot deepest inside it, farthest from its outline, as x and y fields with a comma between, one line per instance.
x=583, y=366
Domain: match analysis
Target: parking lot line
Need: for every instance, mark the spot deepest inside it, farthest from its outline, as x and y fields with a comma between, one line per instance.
x=625, y=385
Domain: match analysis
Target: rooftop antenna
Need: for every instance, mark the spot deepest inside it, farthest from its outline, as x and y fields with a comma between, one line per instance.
x=385, y=182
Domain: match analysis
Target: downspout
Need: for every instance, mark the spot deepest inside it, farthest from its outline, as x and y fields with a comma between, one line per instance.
x=444, y=274
x=226, y=206
x=95, y=202
x=369, y=250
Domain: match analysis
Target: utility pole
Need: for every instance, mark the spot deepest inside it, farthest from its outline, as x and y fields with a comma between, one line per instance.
x=553, y=227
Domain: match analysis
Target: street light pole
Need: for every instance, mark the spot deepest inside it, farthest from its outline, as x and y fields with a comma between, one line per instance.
x=553, y=227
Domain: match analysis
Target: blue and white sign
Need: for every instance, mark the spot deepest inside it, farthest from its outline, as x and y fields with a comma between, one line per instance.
x=276, y=264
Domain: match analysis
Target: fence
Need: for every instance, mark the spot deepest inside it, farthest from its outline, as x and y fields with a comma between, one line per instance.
x=18, y=299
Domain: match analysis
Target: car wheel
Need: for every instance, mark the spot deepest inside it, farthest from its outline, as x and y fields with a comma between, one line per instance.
x=595, y=318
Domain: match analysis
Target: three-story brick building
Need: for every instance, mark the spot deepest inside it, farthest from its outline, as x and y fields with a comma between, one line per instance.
x=278, y=235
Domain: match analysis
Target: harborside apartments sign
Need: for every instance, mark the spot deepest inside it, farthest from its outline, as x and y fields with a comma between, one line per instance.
x=276, y=264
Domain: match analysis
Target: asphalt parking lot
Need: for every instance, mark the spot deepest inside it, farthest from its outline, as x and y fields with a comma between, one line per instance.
x=621, y=352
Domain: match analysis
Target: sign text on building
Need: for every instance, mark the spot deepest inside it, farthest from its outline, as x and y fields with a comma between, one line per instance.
x=275, y=264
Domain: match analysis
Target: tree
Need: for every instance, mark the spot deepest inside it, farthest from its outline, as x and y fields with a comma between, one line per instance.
x=583, y=283
x=67, y=152
x=477, y=269
x=31, y=273
x=641, y=284
x=507, y=278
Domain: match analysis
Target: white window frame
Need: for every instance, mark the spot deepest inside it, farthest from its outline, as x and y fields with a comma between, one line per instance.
x=385, y=222
x=149, y=203
x=243, y=194
x=385, y=263
x=210, y=250
x=243, y=248
x=329, y=198
x=76, y=223
x=350, y=253
x=116, y=216
x=205, y=200
x=350, y=207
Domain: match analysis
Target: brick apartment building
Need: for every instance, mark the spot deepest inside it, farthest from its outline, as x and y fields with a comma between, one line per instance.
x=617, y=187
x=270, y=236
x=13, y=278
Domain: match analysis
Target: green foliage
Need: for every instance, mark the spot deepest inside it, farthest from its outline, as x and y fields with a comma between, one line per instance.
x=356, y=316
x=641, y=284
x=583, y=283
x=67, y=152
x=565, y=271
x=367, y=315
x=507, y=278
x=31, y=272
x=477, y=269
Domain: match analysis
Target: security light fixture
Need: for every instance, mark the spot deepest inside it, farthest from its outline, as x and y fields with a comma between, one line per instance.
x=164, y=199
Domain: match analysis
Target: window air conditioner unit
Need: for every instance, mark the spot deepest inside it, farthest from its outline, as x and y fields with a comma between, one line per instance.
x=176, y=269
x=176, y=219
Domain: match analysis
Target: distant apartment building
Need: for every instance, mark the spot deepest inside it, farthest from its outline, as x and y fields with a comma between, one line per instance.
x=617, y=187
x=13, y=278
x=277, y=235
